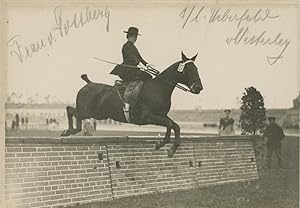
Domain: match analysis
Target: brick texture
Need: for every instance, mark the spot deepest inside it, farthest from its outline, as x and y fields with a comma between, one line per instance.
x=56, y=173
x=144, y=170
x=224, y=161
x=51, y=175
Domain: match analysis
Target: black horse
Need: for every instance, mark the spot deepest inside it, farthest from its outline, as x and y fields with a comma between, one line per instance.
x=100, y=101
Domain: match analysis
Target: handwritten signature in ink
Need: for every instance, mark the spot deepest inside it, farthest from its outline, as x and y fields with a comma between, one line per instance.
x=241, y=20
x=63, y=27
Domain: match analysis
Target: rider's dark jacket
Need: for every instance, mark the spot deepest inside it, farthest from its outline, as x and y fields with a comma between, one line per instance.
x=132, y=57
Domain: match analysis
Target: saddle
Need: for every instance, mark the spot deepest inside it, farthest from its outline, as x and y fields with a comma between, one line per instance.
x=129, y=93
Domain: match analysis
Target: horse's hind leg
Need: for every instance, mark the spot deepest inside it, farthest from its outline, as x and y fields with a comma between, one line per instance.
x=74, y=113
x=78, y=124
x=70, y=113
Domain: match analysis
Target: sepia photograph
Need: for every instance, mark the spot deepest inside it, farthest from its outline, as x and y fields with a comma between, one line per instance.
x=175, y=104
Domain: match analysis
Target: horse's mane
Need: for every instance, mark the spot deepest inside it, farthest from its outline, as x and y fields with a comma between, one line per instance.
x=170, y=68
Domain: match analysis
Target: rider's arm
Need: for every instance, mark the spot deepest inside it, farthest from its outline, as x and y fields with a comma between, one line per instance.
x=141, y=59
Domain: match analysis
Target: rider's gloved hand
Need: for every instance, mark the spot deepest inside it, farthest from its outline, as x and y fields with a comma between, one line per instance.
x=142, y=66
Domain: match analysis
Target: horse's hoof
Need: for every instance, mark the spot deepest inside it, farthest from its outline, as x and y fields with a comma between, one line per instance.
x=65, y=133
x=157, y=146
x=170, y=153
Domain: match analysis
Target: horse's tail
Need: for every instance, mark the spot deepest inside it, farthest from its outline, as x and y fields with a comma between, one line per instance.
x=85, y=78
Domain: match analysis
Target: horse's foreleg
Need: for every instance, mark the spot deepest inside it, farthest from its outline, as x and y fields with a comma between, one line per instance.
x=165, y=140
x=161, y=121
x=176, y=129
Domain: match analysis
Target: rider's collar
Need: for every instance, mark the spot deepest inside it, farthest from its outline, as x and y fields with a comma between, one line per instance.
x=182, y=65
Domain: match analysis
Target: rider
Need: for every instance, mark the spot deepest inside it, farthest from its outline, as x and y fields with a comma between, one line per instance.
x=132, y=57
x=129, y=70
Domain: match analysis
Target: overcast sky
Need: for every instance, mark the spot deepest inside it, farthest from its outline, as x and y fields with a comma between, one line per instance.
x=225, y=68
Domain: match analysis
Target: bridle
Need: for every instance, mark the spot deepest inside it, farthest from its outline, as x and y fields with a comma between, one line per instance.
x=180, y=69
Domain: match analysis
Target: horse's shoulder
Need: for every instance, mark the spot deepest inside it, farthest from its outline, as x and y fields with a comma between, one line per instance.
x=149, y=84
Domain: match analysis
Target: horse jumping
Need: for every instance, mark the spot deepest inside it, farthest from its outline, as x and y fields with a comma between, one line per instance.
x=101, y=101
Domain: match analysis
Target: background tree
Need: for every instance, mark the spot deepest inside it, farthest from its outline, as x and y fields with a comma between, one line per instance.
x=253, y=112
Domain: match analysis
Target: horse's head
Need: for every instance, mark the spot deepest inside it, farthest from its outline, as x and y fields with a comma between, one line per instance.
x=188, y=74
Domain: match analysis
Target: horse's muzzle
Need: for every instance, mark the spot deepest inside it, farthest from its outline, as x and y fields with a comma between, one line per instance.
x=196, y=88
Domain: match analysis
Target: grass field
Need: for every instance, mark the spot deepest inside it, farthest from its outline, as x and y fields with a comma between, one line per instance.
x=274, y=189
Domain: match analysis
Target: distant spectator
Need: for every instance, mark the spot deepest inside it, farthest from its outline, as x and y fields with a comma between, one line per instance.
x=226, y=126
x=47, y=123
x=95, y=124
x=13, y=125
x=274, y=135
x=17, y=124
x=53, y=124
x=88, y=127
x=22, y=122
x=26, y=122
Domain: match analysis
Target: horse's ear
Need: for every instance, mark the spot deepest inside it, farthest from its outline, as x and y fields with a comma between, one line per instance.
x=183, y=57
x=194, y=58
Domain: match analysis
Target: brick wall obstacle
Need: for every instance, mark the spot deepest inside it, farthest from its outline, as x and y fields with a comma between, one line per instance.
x=48, y=172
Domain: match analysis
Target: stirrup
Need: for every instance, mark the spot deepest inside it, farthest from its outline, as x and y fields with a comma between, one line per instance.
x=126, y=112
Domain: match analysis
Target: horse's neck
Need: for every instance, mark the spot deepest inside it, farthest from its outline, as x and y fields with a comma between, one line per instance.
x=168, y=79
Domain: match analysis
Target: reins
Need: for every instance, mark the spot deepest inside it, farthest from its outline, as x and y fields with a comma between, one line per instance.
x=170, y=82
x=153, y=72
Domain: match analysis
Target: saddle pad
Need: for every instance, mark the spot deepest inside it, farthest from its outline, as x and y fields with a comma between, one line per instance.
x=129, y=93
x=132, y=92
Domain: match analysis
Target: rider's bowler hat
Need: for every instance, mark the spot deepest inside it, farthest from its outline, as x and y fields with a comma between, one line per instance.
x=133, y=31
